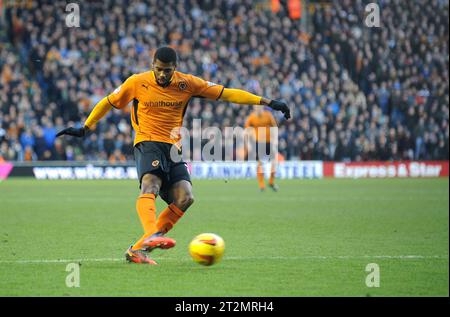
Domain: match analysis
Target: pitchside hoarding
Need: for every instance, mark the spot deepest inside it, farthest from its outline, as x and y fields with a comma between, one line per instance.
x=386, y=169
x=232, y=170
x=198, y=170
x=236, y=170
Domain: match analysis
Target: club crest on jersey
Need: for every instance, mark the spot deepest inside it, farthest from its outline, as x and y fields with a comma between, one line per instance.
x=182, y=85
x=155, y=163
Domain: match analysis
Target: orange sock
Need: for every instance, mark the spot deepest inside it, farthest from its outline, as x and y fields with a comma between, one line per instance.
x=168, y=218
x=260, y=176
x=146, y=209
x=272, y=176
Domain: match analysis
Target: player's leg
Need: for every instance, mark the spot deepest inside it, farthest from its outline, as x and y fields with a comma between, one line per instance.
x=272, y=176
x=273, y=164
x=179, y=197
x=148, y=157
x=259, y=169
x=147, y=210
x=145, y=204
x=183, y=197
x=148, y=162
x=260, y=176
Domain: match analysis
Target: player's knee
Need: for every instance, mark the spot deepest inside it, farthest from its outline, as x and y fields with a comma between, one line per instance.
x=149, y=185
x=151, y=189
x=185, y=201
x=190, y=200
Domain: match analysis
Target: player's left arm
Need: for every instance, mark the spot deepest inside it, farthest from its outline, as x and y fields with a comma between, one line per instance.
x=213, y=91
x=243, y=97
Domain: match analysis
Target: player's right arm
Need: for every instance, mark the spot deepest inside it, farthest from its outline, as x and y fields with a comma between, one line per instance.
x=118, y=99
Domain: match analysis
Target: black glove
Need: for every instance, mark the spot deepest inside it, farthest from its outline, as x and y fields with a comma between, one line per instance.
x=78, y=132
x=280, y=106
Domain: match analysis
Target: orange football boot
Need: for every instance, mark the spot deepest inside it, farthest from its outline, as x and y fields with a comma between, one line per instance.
x=138, y=256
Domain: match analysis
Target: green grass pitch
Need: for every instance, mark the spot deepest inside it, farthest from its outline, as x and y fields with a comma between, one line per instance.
x=312, y=238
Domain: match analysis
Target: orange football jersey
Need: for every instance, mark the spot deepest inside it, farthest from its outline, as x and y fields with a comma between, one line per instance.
x=264, y=120
x=158, y=112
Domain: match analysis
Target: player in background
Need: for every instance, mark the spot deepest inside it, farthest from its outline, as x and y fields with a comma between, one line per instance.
x=261, y=121
x=159, y=99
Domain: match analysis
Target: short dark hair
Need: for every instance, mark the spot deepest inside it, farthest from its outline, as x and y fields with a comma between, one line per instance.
x=165, y=54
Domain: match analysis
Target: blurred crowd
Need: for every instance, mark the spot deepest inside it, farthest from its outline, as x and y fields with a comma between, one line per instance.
x=356, y=93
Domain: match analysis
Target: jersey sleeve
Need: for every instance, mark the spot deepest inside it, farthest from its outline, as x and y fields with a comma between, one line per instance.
x=123, y=94
x=205, y=89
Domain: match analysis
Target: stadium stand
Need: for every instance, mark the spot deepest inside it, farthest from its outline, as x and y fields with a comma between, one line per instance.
x=356, y=93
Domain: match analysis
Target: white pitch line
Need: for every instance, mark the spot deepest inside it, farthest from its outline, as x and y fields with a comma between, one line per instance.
x=306, y=257
x=63, y=260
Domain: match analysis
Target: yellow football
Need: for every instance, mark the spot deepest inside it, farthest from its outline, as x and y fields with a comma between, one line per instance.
x=207, y=248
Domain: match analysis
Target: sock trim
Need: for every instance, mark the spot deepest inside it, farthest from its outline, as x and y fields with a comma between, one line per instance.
x=151, y=196
x=176, y=210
